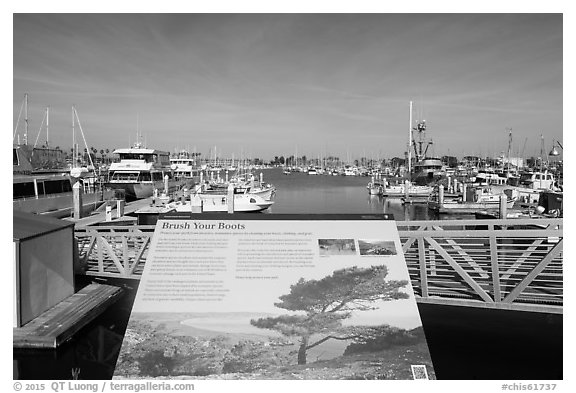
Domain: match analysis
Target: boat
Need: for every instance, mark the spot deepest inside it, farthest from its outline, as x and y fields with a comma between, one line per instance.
x=49, y=192
x=376, y=187
x=141, y=170
x=475, y=199
x=241, y=186
x=184, y=167
x=425, y=170
x=211, y=202
x=414, y=191
x=41, y=183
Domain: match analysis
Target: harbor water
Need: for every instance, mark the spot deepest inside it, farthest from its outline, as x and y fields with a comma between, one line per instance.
x=465, y=343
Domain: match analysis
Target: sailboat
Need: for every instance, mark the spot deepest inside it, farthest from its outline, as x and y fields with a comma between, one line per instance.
x=48, y=190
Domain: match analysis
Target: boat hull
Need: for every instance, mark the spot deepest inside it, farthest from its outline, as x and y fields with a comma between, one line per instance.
x=219, y=203
x=143, y=190
x=466, y=207
x=413, y=191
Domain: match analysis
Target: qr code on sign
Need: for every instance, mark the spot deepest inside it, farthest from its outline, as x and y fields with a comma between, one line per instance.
x=419, y=372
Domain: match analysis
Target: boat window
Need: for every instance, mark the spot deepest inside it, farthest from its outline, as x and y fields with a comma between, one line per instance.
x=23, y=190
x=252, y=200
x=157, y=176
x=40, y=186
x=15, y=157
x=57, y=186
x=145, y=176
x=125, y=176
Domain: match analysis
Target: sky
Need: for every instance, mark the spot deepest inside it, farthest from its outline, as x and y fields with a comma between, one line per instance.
x=265, y=85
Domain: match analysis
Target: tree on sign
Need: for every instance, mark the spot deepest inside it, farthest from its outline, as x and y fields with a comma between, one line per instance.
x=329, y=301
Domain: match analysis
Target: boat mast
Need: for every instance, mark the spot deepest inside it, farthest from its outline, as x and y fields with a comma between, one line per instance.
x=74, y=147
x=26, y=118
x=410, y=142
x=47, y=125
x=509, y=151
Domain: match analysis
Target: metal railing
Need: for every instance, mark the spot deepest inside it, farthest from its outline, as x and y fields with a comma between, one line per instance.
x=505, y=264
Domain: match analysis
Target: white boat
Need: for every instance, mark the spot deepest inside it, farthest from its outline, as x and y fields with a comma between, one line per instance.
x=399, y=190
x=219, y=203
x=241, y=186
x=376, y=187
x=142, y=170
x=476, y=199
x=529, y=186
x=183, y=167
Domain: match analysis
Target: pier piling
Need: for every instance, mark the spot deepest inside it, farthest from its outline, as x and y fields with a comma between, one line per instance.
x=230, y=199
x=441, y=194
x=503, y=206
x=77, y=199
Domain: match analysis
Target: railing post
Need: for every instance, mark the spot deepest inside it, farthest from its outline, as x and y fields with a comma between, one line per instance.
x=494, y=265
x=423, y=273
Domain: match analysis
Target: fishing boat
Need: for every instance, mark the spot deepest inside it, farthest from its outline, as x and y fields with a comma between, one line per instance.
x=141, y=170
x=425, y=170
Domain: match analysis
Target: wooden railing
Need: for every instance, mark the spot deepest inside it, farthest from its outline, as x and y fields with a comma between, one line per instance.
x=505, y=264
x=113, y=251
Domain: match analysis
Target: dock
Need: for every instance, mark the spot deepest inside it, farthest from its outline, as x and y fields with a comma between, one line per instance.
x=56, y=325
x=99, y=217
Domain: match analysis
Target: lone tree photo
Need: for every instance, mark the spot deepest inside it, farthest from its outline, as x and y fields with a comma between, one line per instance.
x=329, y=301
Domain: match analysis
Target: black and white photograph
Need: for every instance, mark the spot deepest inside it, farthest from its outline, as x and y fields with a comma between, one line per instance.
x=336, y=247
x=376, y=247
x=325, y=334
x=148, y=143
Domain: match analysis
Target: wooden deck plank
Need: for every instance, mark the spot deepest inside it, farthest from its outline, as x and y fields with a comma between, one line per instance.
x=59, y=323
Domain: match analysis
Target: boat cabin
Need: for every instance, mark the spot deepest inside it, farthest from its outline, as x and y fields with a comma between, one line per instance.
x=40, y=186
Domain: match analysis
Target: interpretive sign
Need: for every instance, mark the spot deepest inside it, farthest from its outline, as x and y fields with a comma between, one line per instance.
x=275, y=298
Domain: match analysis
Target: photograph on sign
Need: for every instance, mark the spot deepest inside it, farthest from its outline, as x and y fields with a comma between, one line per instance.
x=246, y=300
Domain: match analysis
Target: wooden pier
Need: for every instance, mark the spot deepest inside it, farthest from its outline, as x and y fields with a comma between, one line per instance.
x=513, y=264
x=59, y=323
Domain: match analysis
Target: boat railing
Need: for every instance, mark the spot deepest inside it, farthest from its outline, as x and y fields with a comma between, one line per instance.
x=513, y=264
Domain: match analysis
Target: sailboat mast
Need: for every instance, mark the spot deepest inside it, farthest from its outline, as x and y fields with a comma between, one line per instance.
x=509, y=149
x=410, y=142
x=26, y=118
x=74, y=147
x=47, y=125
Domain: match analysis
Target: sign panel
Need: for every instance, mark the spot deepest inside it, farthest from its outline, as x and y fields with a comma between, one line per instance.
x=275, y=299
